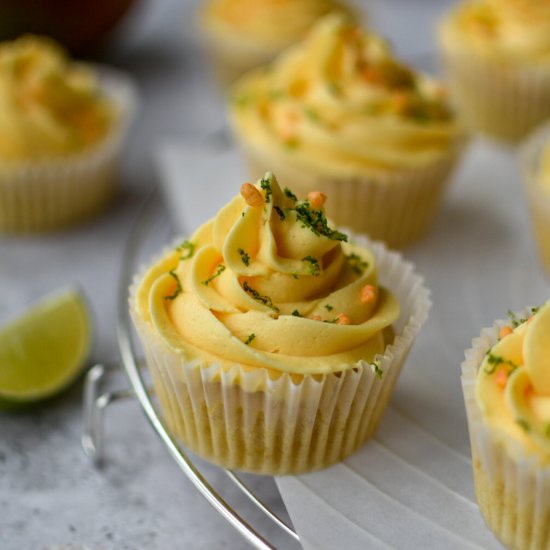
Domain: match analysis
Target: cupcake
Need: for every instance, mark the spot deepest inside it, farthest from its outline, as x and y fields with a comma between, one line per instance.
x=506, y=383
x=497, y=57
x=274, y=340
x=240, y=35
x=337, y=113
x=62, y=126
x=536, y=168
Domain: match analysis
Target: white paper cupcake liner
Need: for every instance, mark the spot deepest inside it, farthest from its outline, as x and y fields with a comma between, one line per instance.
x=244, y=419
x=512, y=489
x=538, y=197
x=52, y=194
x=396, y=207
x=498, y=99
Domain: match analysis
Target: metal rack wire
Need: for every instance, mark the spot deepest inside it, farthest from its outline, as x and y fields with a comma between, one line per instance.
x=97, y=399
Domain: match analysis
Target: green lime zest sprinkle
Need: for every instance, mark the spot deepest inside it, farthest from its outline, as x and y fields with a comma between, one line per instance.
x=495, y=361
x=357, y=263
x=311, y=114
x=333, y=88
x=266, y=300
x=280, y=213
x=221, y=269
x=244, y=256
x=290, y=195
x=276, y=94
x=250, y=338
x=188, y=249
x=291, y=143
x=314, y=267
x=375, y=367
x=295, y=275
x=178, y=290
x=328, y=307
x=296, y=313
x=332, y=321
x=265, y=184
x=515, y=321
x=241, y=99
x=523, y=424
x=316, y=221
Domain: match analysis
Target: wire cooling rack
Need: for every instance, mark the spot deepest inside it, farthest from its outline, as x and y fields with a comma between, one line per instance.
x=97, y=398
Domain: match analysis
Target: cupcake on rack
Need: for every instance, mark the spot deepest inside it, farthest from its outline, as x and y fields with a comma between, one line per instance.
x=338, y=113
x=240, y=35
x=497, y=56
x=506, y=383
x=273, y=339
x=536, y=179
x=62, y=127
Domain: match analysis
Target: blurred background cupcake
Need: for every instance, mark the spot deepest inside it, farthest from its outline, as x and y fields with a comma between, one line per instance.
x=242, y=34
x=506, y=383
x=337, y=113
x=62, y=127
x=497, y=57
x=536, y=179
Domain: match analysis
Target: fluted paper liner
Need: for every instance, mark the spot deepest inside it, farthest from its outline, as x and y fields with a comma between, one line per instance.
x=394, y=206
x=244, y=419
x=512, y=489
x=538, y=197
x=51, y=194
x=495, y=98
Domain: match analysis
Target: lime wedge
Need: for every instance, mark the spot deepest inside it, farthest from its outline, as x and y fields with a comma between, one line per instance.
x=45, y=349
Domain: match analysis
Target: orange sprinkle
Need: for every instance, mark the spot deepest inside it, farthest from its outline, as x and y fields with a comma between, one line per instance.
x=343, y=319
x=251, y=195
x=316, y=199
x=400, y=102
x=368, y=294
x=372, y=75
x=530, y=319
x=505, y=331
x=501, y=377
x=316, y=318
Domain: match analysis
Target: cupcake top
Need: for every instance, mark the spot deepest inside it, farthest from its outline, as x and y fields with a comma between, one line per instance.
x=269, y=283
x=512, y=30
x=513, y=384
x=339, y=103
x=49, y=106
x=270, y=24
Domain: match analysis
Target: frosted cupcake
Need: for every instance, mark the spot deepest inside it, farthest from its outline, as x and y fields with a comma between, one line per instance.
x=497, y=56
x=337, y=113
x=61, y=131
x=275, y=340
x=536, y=168
x=506, y=382
x=243, y=34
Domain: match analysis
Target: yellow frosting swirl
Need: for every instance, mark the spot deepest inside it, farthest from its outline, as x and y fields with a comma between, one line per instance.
x=513, y=385
x=276, y=23
x=511, y=30
x=49, y=107
x=339, y=103
x=269, y=286
x=544, y=168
